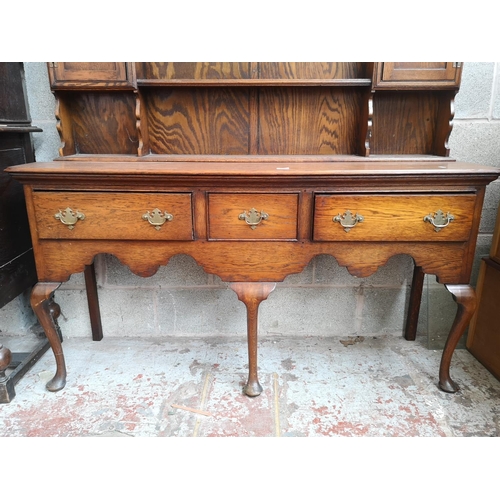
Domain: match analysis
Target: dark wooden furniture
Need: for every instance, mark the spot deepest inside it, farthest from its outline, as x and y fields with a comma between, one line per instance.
x=17, y=264
x=253, y=169
x=483, y=340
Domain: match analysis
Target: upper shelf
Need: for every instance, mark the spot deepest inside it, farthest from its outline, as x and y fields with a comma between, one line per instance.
x=260, y=82
x=228, y=109
x=254, y=74
x=377, y=75
x=264, y=71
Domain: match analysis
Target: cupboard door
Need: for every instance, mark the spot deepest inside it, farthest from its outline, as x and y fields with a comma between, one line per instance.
x=90, y=74
x=413, y=75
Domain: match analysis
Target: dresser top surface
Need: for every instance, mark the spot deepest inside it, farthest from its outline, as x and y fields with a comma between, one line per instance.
x=242, y=168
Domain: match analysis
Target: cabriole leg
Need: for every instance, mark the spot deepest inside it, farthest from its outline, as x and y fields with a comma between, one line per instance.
x=465, y=297
x=47, y=312
x=252, y=294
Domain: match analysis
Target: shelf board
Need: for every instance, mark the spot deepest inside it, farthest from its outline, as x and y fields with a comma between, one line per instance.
x=255, y=158
x=257, y=82
x=19, y=128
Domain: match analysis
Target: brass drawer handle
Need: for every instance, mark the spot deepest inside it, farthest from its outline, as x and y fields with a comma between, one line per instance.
x=156, y=218
x=69, y=217
x=439, y=220
x=253, y=218
x=347, y=220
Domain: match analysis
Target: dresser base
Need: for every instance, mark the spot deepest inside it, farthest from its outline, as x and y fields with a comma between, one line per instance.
x=252, y=224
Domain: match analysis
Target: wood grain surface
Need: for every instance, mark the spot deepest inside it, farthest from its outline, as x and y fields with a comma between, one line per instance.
x=193, y=70
x=102, y=123
x=317, y=70
x=199, y=121
x=113, y=216
x=404, y=123
x=308, y=121
x=224, y=211
x=393, y=218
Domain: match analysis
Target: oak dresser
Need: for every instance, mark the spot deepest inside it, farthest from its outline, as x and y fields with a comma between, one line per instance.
x=253, y=169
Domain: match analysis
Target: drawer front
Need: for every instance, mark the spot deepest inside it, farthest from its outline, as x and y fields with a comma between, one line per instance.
x=393, y=217
x=252, y=216
x=113, y=216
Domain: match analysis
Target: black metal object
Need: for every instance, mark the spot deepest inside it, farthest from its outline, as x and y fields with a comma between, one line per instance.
x=17, y=265
x=20, y=363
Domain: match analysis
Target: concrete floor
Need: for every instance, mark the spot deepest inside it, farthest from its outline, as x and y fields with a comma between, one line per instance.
x=313, y=386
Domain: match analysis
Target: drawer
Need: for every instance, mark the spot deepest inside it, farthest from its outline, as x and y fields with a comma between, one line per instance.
x=113, y=216
x=252, y=216
x=393, y=217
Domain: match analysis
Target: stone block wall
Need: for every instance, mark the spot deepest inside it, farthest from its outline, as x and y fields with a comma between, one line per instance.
x=182, y=300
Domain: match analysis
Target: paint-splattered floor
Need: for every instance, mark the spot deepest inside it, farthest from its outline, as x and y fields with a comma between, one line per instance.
x=313, y=386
